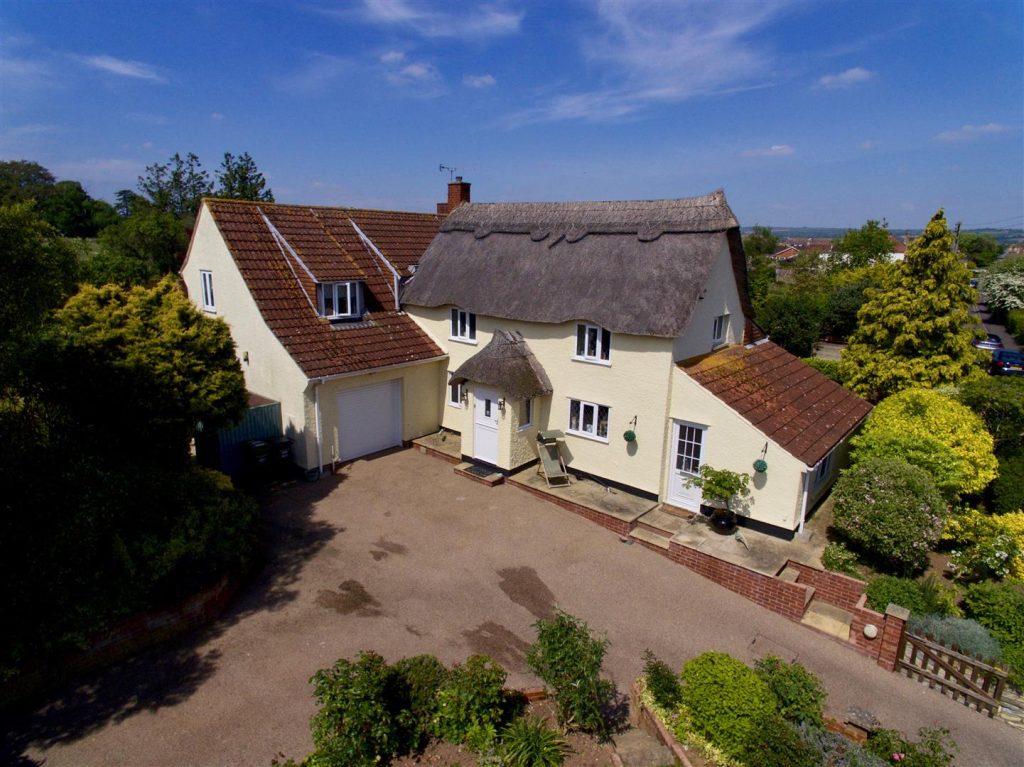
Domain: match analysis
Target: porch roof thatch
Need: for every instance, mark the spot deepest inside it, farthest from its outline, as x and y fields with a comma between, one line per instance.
x=632, y=267
x=506, y=363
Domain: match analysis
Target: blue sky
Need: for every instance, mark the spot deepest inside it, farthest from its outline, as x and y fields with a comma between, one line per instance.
x=808, y=113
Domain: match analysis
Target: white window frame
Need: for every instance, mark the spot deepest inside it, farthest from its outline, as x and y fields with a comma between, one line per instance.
x=582, y=406
x=602, y=344
x=454, y=392
x=718, y=330
x=462, y=326
x=206, y=278
x=692, y=437
x=526, y=414
x=335, y=289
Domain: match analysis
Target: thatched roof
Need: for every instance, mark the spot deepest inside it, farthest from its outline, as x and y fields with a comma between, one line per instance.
x=506, y=363
x=632, y=267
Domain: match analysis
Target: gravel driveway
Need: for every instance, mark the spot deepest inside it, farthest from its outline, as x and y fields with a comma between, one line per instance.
x=399, y=555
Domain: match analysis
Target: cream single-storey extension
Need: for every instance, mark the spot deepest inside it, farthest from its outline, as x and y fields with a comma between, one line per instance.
x=627, y=326
x=311, y=297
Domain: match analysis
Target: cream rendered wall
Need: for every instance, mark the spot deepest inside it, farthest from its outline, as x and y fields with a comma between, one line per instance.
x=270, y=370
x=734, y=443
x=636, y=383
x=720, y=297
x=419, y=402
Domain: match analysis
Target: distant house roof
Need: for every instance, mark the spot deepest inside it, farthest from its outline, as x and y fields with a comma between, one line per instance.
x=632, y=267
x=508, y=364
x=785, y=253
x=803, y=411
x=283, y=251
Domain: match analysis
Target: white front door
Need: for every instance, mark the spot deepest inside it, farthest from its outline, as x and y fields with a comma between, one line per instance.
x=688, y=443
x=485, y=425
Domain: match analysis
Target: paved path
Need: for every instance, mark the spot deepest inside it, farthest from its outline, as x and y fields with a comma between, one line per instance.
x=401, y=556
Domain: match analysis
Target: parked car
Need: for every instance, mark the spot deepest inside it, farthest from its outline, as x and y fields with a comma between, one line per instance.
x=1006, y=362
x=991, y=342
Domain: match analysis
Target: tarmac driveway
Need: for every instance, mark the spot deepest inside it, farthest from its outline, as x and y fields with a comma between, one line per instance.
x=400, y=555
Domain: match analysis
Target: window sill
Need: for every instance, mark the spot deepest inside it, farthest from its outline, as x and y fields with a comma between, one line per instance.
x=456, y=405
x=589, y=361
x=584, y=435
x=469, y=341
x=524, y=427
x=210, y=309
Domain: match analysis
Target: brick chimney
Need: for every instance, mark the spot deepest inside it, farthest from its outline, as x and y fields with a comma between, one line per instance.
x=458, y=193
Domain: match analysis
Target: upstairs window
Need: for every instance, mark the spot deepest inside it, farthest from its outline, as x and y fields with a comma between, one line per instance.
x=593, y=343
x=208, y=303
x=340, y=300
x=718, y=331
x=463, y=325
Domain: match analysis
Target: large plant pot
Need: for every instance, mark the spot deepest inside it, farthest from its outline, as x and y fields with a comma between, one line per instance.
x=723, y=521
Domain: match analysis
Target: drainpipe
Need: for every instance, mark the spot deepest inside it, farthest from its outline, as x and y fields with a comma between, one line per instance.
x=319, y=436
x=803, y=502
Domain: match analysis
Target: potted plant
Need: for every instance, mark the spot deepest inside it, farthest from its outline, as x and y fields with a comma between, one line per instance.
x=719, y=487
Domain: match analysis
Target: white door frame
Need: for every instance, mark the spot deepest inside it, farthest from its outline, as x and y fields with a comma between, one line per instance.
x=680, y=494
x=485, y=425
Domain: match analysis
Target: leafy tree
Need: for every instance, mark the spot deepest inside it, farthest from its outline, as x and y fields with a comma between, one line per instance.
x=65, y=205
x=890, y=510
x=69, y=209
x=21, y=181
x=934, y=432
x=793, y=317
x=176, y=187
x=240, y=179
x=981, y=249
x=915, y=330
x=128, y=202
x=846, y=294
x=869, y=245
x=999, y=400
x=759, y=246
x=38, y=271
x=1003, y=286
x=762, y=241
x=138, y=249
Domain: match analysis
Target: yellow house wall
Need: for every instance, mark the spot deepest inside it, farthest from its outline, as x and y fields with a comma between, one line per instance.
x=636, y=383
x=734, y=443
x=270, y=371
x=720, y=297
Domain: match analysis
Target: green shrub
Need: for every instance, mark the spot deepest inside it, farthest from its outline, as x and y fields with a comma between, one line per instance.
x=568, y=657
x=422, y=676
x=984, y=546
x=828, y=368
x=798, y=693
x=963, y=634
x=890, y=509
x=528, y=742
x=833, y=750
x=471, y=703
x=662, y=682
x=1015, y=324
x=839, y=559
x=934, y=749
x=999, y=400
x=777, y=744
x=904, y=592
x=999, y=607
x=727, y=701
x=1008, y=489
x=357, y=723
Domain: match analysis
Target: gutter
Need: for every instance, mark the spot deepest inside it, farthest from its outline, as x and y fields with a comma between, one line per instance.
x=366, y=371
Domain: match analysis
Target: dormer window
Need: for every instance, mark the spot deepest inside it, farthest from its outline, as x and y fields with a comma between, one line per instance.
x=719, y=329
x=340, y=300
x=593, y=343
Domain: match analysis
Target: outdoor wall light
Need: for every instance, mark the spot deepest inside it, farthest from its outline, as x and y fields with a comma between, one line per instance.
x=501, y=405
x=871, y=631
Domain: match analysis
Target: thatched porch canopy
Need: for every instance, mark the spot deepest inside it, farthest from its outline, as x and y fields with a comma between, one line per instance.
x=506, y=363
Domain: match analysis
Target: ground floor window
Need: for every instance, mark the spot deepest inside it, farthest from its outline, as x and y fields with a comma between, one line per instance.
x=588, y=419
x=822, y=473
x=526, y=413
x=454, y=393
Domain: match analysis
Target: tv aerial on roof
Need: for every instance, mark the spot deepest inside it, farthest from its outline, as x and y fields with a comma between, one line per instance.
x=451, y=171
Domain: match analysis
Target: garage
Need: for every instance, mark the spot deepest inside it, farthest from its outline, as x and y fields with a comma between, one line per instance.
x=369, y=419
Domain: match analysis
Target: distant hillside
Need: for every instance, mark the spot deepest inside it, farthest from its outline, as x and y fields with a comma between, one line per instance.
x=1004, y=236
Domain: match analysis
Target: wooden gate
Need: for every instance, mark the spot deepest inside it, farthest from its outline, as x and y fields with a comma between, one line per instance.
x=961, y=677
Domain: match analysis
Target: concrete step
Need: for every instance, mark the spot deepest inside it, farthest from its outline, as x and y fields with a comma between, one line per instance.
x=638, y=749
x=661, y=521
x=828, y=618
x=642, y=534
x=790, y=574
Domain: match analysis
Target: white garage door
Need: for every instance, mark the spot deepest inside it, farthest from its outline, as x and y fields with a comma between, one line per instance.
x=369, y=419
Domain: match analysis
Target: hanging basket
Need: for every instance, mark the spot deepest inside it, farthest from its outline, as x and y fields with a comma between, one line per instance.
x=760, y=466
x=629, y=435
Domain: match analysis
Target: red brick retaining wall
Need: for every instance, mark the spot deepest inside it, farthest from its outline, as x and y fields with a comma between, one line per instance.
x=618, y=526
x=834, y=588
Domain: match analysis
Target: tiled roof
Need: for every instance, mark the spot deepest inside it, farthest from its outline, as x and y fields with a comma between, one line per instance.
x=801, y=410
x=328, y=246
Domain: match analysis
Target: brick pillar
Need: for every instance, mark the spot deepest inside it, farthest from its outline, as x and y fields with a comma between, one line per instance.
x=894, y=626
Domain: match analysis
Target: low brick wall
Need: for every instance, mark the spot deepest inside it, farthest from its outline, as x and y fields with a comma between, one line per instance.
x=783, y=597
x=618, y=526
x=835, y=588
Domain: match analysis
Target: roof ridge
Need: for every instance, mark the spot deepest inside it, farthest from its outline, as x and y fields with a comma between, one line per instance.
x=299, y=205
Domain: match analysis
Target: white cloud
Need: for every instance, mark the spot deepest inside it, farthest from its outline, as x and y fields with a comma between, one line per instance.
x=100, y=171
x=845, y=79
x=392, y=57
x=122, y=67
x=665, y=52
x=473, y=24
x=775, y=150
x=972, y=132
x=479, y=81
x=319, y=72
x=216, y=116
x=417, y=72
